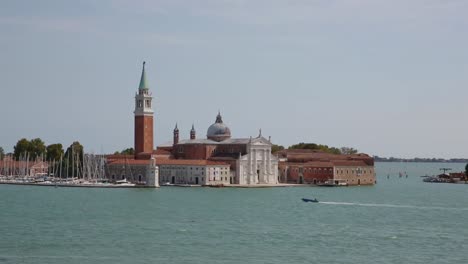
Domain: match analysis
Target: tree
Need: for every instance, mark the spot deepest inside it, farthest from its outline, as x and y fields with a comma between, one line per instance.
x=32, y=149
x=22, y=147
x=2, y=153
x=347, y=150
x=37, y=148
x=276, y=148
x=128, y=151
x=73, y=159
x=313, y=146
x=303, y=145
x=54, y=151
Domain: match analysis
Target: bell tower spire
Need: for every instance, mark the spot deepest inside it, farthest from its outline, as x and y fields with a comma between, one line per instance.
x=143, y=119
x=143, y=82
x=192, y=132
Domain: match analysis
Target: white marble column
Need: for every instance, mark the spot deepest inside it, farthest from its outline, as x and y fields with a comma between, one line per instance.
x=254, y=175
x=264, y=171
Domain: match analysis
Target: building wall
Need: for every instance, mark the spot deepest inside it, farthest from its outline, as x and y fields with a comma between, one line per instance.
x=303, y=173
x=188, y=174
x=258, y=166
x=207, y=151
x=132, y=173
x=193, y=151
x=355, y=175
x=143, y=134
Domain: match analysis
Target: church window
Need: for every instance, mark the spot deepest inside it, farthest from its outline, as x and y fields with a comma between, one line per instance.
x=140, y=103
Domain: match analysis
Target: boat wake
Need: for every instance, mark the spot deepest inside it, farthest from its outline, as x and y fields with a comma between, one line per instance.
x=396, y=206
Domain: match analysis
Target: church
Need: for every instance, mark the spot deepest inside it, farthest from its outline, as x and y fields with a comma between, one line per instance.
x=249, y=160
x=217, y=160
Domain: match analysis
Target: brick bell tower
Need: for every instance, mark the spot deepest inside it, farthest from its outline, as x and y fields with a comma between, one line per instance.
x=143, y=120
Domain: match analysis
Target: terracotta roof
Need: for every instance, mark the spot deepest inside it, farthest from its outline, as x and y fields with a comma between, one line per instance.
x=22, y=164
x=160, y=151
x=349, y=163
x=312, y=164
x=119, y=156
x=307, y=155
x=131, y=161
x=188, y=162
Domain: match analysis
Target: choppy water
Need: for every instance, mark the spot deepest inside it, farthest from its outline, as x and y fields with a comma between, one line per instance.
x=399, y=220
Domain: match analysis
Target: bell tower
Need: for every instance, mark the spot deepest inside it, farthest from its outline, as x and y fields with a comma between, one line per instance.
x=143, y=120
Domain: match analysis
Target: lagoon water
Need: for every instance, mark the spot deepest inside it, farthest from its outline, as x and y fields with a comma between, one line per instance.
x=399, y=220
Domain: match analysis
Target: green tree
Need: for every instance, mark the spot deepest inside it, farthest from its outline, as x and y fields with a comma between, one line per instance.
x=276, y=148
x=128, y=151
x=37, y=148
x=347, y=150
x=22, y=147
x=72, y=160
x=54, y=151
x=303, y=145
x=2, y=153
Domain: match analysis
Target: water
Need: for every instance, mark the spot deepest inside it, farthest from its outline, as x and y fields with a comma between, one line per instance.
x=399, y=220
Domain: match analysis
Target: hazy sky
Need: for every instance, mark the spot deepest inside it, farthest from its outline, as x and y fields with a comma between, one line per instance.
x=389, y=78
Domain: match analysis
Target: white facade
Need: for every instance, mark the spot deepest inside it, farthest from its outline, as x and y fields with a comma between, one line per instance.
x=258, y=166
x=152, y=174
x=195, y=174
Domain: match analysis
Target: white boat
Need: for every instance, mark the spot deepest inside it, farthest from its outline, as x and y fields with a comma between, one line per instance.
x=124, y=182
x=333, y=183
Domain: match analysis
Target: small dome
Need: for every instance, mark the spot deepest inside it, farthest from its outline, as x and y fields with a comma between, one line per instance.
x=218, y=131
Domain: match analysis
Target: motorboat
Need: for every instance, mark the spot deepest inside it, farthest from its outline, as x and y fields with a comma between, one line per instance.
x=310, y=200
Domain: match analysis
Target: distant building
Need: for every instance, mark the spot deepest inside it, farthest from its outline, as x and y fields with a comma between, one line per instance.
x=11, y=167
x=314, y=167
x=194, y=172
x=140, y=168
x=249, y=159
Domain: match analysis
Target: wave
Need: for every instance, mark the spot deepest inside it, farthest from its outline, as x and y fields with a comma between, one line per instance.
x=395, y=206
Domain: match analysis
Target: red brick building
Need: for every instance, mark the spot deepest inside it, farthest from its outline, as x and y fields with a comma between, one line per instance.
x=315, y=167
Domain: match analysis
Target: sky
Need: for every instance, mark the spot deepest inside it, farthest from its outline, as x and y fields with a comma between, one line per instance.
x=389, y=78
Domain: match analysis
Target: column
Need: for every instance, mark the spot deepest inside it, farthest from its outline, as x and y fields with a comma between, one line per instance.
x=254, y=175
x=264, y=171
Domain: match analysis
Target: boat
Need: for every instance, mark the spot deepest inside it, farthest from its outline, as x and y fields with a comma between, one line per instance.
x=331, y=183
x=310, y=200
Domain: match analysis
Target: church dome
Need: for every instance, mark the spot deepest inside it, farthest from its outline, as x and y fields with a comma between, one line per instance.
x=218, y=131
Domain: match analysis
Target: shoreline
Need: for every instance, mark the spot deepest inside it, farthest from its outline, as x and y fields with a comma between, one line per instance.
x=117, y=186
